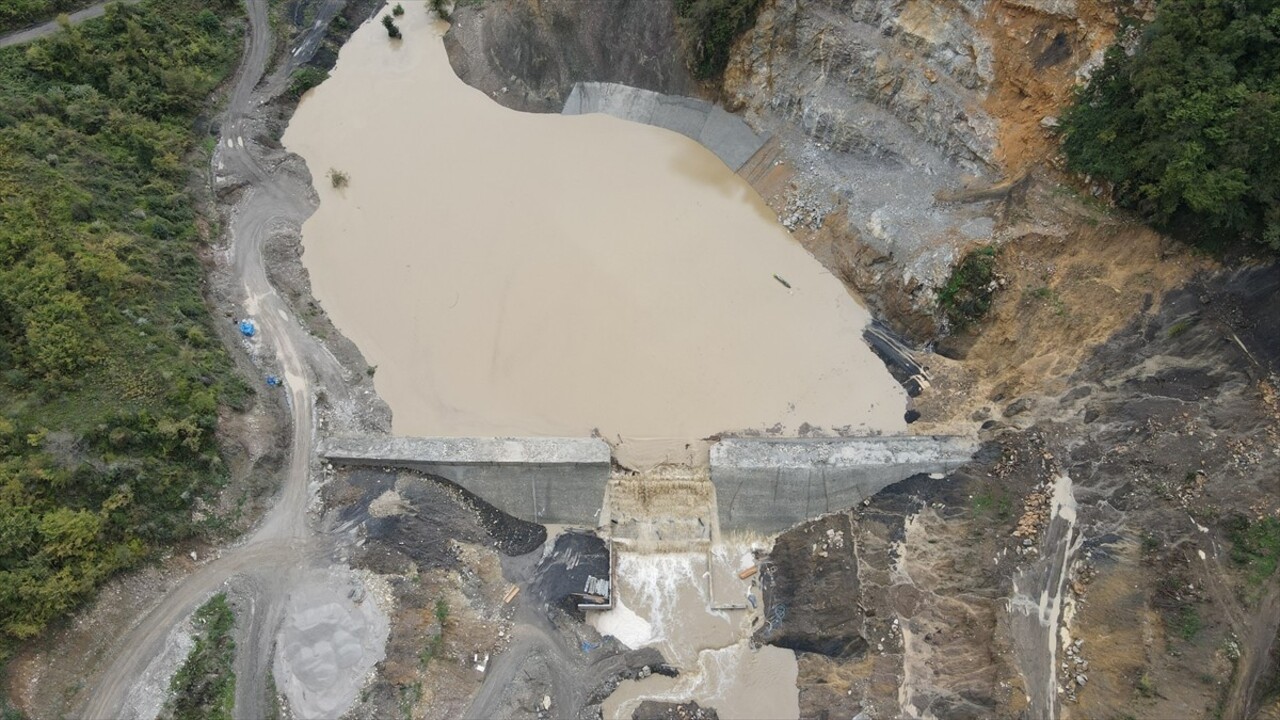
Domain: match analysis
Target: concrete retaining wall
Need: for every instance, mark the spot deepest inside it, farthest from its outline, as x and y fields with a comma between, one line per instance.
x=721, y=132
x=545, y=480
x=770, y=485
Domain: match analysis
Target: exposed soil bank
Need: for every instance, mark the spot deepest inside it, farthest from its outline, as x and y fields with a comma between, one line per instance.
x=515, y=274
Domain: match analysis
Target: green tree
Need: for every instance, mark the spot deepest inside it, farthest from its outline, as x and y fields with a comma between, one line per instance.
x=392, y=30
x=709, y=28
x=1187, y=126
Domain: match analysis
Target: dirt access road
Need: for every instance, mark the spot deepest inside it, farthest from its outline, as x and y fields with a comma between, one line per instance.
x=272, y=557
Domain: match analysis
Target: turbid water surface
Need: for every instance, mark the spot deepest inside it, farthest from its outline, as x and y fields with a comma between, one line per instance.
x=521, y=274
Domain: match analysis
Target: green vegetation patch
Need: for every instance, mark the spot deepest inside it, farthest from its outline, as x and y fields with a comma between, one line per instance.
x=967, y=295
x=111, y=374
x=709, y=29
x=1186, y=126
x=204, y=688
x=18, y=14
x=1255, y=547
x=305, y=78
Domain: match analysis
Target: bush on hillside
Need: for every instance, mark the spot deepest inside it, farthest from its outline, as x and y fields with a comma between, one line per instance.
x=710, y=27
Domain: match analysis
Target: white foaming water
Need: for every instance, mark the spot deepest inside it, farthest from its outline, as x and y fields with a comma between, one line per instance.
x=623, y=623
x=667, y=595
x=669, y=592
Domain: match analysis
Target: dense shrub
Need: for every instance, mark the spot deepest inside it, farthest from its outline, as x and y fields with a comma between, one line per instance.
x=111, y=385
x=16, y=14
x=967, y=296
x=1187, y=127
x=709, y=28
x=204, y=688
x=393, y=31
x=304, y=79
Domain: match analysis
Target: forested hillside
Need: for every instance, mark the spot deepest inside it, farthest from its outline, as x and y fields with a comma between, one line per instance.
x=1186, y=122
x=111, y=373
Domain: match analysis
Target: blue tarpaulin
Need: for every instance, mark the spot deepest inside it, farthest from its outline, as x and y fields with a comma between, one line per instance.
x=247, y=328
x=273, y=381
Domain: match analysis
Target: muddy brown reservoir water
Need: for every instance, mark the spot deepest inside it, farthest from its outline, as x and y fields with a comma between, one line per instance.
x=521, y=274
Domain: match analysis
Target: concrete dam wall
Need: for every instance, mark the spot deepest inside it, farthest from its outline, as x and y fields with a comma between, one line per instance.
x=760, y=485
x=544, y=480
x=771, y=485
x=721, y=132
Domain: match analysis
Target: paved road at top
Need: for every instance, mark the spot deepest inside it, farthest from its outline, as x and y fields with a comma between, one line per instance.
x=48, y=28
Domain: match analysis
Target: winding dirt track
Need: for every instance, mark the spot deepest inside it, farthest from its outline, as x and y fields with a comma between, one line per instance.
x=267, y=562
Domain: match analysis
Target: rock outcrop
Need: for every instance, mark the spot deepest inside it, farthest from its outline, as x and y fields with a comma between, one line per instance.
x=527, y=54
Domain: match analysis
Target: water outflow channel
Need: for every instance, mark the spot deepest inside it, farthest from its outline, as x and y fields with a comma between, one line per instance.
x=514, y=274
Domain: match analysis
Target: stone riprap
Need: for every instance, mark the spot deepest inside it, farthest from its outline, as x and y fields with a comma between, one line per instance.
x=768, y=485
x=721, y=132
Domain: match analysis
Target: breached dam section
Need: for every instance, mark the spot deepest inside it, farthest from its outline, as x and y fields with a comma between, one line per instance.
x=522, y=275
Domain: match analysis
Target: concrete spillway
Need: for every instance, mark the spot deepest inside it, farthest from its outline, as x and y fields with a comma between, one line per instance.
x=721, y=132
x=760, y=485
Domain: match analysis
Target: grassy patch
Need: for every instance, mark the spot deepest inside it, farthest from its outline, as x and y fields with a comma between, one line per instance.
x=204, y=687
x=305, y=78
x=1255, y=547
x=1049, y=296
x=1189, y=623
x=992, y=504
x=111, y=374
x=967, y=295
x=1181, y=327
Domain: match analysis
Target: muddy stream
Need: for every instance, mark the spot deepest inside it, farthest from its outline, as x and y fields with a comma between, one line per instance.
x=515, y=274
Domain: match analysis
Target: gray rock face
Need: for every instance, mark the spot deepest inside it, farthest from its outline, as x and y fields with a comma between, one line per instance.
x=812, y=590
x=879, y=107
x=527, y=55
x=893, y=80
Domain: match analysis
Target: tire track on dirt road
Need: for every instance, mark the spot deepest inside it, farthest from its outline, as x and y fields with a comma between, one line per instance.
x=272, y=556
